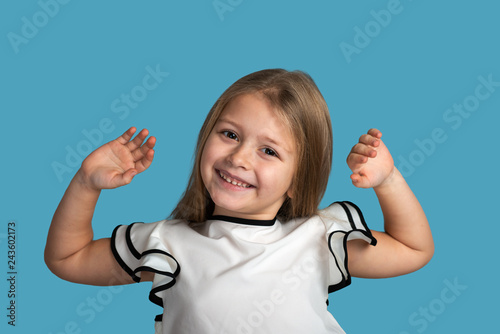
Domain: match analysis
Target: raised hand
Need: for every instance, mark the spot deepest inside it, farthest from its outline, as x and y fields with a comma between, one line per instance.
x=370, y=161
x=406, y=244
x=116, y=163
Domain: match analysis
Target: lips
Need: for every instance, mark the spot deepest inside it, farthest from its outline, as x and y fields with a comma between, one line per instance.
x=233, y=180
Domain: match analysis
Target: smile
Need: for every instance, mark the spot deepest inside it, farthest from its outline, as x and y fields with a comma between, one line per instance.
x=233, y=181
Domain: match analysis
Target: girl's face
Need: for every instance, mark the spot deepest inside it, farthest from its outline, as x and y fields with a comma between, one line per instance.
x=249, y=160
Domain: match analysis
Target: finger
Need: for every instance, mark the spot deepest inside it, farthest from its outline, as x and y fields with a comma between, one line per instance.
x=365, y=150
x=127, y=177
x=356, y=161
x=145, y=162
x=138, y=140
x=120, y=179
x=125, y=137
x=368, y=139
x=140, y=152
x=375, y=133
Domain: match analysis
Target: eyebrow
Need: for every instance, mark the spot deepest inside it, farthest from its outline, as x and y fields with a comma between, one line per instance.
x=265, y=137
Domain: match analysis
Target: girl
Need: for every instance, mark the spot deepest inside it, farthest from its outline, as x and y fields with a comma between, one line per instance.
x=246, y=249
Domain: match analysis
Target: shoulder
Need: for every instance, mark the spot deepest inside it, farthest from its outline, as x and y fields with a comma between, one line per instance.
x=343, y=215
x=139, y=234
x=151, y=227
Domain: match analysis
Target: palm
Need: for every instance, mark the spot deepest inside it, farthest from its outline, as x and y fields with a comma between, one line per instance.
x=115, y=163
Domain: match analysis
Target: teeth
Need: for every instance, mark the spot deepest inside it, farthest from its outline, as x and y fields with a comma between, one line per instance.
x=233, y=182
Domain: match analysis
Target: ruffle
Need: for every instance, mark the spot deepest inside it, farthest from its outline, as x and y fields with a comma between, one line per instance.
x=138, y=248
x=344, y=221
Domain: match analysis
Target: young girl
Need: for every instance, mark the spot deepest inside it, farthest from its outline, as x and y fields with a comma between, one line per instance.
x=246, y=249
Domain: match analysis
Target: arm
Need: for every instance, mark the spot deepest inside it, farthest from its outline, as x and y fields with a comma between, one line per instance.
x=70, y=252
x=406, y=245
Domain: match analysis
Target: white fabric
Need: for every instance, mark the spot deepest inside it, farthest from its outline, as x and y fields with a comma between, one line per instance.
x=226, y=277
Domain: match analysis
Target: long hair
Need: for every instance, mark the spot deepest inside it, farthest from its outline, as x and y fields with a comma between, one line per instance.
x=298, y=101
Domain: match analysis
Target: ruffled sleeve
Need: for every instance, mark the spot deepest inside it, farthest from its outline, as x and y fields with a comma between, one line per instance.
x=344, y=221
x=138, y=247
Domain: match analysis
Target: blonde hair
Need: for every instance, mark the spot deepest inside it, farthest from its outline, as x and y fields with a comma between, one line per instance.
x=297, y=100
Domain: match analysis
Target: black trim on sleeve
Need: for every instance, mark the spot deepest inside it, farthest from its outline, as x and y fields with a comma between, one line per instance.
x=363, y=222
x=122, y=263
x=346, y=280
x=128, y=239
x=153, y=297
x=348, y=213
x=138, y=256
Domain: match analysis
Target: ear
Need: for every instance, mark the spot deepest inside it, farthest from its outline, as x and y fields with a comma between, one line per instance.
x=289, y=192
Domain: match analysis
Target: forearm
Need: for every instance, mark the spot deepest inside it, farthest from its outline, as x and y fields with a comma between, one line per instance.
x=71, y=251
x=71, y=227
x=404, y=218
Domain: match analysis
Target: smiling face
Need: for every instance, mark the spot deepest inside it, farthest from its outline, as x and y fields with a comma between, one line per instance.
x=248, y=161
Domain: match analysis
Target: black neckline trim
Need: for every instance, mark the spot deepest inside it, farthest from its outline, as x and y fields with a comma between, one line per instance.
x=244, y=221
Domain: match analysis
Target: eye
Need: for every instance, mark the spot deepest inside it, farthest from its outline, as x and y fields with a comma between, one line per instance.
x=270, y=152
x=230, y=135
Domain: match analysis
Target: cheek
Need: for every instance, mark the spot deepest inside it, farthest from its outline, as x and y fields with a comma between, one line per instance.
x=205, y=163
x=288, y=182
x=207, y=152
x=208, y=158
x=279, y=181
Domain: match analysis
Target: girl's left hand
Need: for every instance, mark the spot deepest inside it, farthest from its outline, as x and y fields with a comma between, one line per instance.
x=370, y=161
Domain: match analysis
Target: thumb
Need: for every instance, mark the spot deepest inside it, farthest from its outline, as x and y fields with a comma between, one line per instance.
x=355, y=178
x=359, y=181
x=129, y=175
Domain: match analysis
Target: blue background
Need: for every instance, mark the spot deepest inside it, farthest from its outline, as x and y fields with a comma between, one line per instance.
x=408, y=70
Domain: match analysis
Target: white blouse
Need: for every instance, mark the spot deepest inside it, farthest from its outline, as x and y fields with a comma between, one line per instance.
x=231, y=275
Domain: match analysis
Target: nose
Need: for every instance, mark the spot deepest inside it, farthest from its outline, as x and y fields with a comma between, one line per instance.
x=240, y=157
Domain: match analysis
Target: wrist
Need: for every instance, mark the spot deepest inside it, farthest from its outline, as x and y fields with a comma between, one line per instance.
x=82, y=180
x=390, y=181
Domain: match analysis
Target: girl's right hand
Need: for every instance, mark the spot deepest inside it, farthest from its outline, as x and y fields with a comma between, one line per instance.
x=116, y=163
